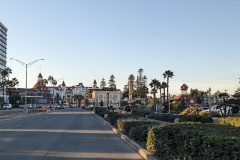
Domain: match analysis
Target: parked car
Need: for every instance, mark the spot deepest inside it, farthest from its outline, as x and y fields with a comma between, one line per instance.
x=7, y=106
x=56, y=106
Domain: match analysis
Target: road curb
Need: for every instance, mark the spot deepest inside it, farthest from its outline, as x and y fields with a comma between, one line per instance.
x=145, y=154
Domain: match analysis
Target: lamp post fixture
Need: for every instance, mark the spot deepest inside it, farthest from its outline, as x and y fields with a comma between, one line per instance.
x=26, y=65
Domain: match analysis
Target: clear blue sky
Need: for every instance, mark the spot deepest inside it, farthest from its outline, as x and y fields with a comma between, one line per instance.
x=83, y=40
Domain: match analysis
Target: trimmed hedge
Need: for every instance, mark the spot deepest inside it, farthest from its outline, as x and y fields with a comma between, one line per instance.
x=114, y=116
x=182, y=118
x=194, y=141
x=195, y=118
x=140, y=133
x=233, y=121
x=141, y=112
x=125, y=125
x=163, y=117
x=100, y=111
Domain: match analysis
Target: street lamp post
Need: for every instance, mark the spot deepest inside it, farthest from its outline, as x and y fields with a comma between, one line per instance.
x=26, y=65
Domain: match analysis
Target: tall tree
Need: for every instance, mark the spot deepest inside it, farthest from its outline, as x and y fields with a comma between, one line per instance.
x=168, y=74
x=164, y=86
x=225, y=110
x=154, y=85
x=141, y=85
x=40, y=84
x=112, y=83
x=103, y=83
x=197, y=95
x=79, y=99
x=159, y=86
x=5, y=81
x=53, y=83
x=125, y=91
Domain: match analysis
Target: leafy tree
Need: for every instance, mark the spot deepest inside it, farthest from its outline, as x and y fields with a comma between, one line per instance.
x=41, y=84
x=111, y=82
x=125, y=91
x=168, y=74
x=197, y=95
x=238, y=90
x=103, y=83
x=141, y=89
x=79, y=99
x=224, y=112
x=6, y=82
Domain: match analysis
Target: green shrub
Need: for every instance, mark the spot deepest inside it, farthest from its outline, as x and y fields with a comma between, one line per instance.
x=141, y=112
x=114, y=116
x=235, y=109
x=125, y=124
x=100, y=111
x=194, y=141
x=195, y=118
x=140, y=133
x=163, y=117
x=233, y=121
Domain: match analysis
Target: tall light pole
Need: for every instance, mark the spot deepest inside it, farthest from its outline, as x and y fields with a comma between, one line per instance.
x=26, y=65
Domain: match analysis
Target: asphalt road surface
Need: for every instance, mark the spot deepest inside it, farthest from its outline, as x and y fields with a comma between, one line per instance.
x=68, y=134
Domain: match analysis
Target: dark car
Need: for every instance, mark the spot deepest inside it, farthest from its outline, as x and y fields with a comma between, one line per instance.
x=127, y=108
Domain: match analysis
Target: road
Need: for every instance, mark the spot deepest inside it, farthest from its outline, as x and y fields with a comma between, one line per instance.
x=67, y=134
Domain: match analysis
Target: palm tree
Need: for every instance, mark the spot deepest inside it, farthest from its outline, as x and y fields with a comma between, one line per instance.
x=164, y=86
x=168, y=74
x=154, y=85
x=159, y=86
x=53, y=83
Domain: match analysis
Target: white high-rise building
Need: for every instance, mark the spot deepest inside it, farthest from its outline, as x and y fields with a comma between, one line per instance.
x=3, y=46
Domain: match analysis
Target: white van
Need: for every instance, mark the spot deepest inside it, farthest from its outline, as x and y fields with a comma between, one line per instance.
x=7, y=106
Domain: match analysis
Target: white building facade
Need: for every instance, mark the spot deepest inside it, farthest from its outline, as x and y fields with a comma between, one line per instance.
x=107, y=97
x=79, y=89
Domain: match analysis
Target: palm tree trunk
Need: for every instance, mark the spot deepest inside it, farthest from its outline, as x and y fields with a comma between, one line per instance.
x=167, y=88
x=164, y=95
x=160, y=95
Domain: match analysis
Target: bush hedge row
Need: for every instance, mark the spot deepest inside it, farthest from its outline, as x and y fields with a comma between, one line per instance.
x=195, y=118
x=126, y=124
x=140, y=133
x=194, y=141
x=182, y=118
x=114, y=116
x=141, y=112
x=100, y=111
x=163, y=117
x=233, y=121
